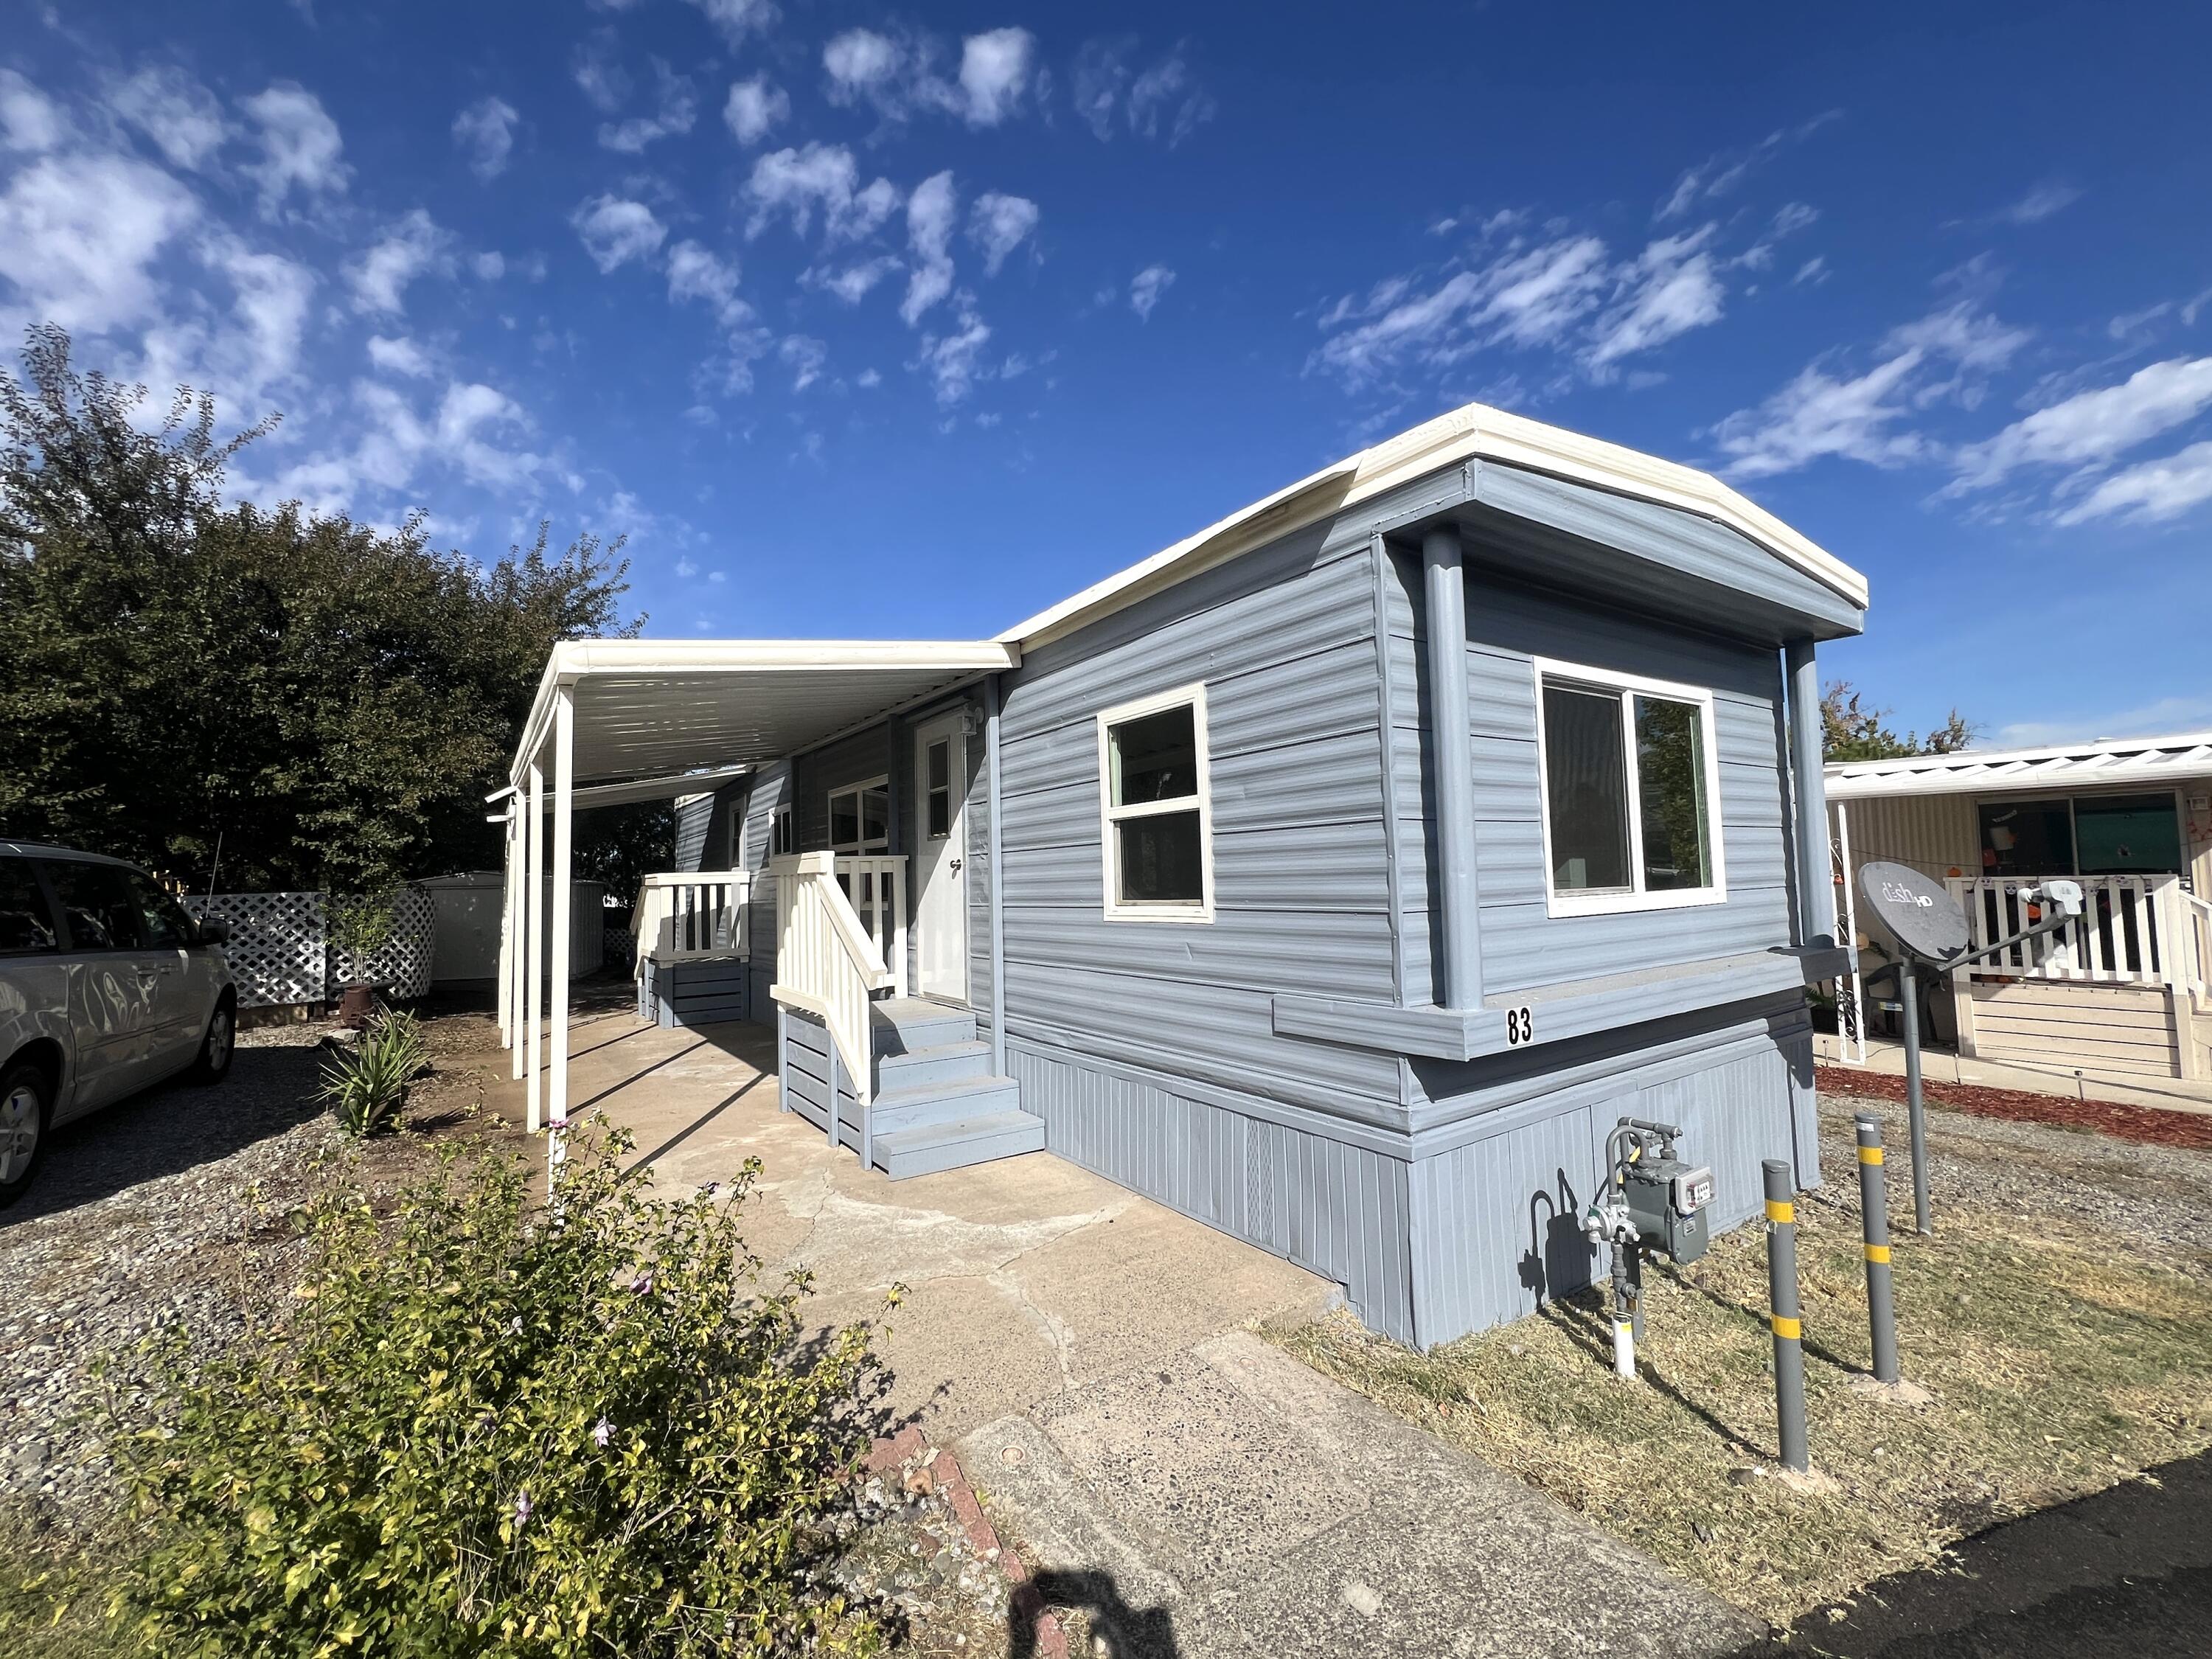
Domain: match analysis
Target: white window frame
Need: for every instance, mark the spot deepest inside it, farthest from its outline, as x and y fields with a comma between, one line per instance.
x=1573, y=902
x=782, y=831
x=1117, y=909
x=863, y=848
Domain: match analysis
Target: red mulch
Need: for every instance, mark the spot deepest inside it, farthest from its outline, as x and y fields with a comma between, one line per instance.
x=2151, y=1125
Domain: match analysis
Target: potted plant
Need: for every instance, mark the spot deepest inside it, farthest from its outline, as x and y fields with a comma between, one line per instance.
x=360, y=927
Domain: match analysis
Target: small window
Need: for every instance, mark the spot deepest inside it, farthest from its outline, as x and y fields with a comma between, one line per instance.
x=860, y=817
x=162, y=922
x=97, y=903
x=939, y=784
x=1631, y=821
x=780, y=837
x=27, y=926
x=1157, y=824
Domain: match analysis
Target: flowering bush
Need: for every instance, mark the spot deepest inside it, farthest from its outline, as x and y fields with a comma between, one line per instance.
x=485, y=1428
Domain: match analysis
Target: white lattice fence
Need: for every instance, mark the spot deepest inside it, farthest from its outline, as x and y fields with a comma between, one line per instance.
x=276, y=950
x=280, y=953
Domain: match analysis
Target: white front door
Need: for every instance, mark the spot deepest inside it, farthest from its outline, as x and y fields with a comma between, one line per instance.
x=941, y=841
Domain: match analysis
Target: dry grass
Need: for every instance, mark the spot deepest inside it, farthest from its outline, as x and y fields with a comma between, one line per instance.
x=2062, y=1360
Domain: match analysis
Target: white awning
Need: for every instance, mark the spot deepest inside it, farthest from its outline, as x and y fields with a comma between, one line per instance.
x=654, y=708
x=2157, y=760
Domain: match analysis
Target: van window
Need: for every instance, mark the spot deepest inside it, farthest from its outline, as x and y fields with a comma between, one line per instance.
x=97, y=903
x=27, y=926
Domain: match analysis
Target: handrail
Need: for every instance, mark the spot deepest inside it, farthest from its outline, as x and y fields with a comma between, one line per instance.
x=681, y=915
x=826, y=964
x=2197, y=913
x=2132, y=931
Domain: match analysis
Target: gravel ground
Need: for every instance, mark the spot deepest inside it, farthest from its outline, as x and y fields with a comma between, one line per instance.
x=2157, y=1198
x=168, y=1205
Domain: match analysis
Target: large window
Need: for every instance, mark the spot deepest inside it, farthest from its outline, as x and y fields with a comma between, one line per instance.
x=27, y=926
x=98, y=903
x=1631, y=792
x=860, y=817
x=2084, y=835
x=1156, y=815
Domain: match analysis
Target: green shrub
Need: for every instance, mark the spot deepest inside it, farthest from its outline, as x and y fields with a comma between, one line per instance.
x=366, y=1085
x=359, y=925
x=483, y=1428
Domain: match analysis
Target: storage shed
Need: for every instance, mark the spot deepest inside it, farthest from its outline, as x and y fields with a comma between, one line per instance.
x=1338, y=875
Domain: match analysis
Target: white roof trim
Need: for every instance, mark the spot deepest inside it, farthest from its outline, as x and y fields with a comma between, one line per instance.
x=1475, y=430
x=2104, y=762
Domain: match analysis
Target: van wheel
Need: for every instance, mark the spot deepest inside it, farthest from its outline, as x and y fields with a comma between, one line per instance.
x=217, y=1046
x=24, y=1112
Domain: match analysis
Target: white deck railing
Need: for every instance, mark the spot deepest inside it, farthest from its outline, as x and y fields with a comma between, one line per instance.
x=2133, y=930
x=2197, y=918
x=689, y=914
x=828, y=963
x=876, y=888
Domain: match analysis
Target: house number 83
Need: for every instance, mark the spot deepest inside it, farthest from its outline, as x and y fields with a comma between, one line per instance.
x=1520, y=1026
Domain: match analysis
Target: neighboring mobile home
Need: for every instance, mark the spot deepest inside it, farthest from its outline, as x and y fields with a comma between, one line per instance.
x=1177, y=881
x=2120, y=995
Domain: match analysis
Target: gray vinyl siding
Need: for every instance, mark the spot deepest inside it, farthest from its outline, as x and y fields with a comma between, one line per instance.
x=771, y=788
x=1284, y=641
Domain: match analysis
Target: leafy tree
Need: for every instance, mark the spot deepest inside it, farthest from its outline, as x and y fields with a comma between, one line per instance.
x=325, y=701
x=1852, y=731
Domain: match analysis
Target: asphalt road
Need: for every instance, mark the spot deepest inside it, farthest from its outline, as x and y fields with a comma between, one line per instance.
x=2126, y=1572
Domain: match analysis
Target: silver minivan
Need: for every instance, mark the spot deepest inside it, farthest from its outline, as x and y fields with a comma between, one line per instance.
x=106, y=987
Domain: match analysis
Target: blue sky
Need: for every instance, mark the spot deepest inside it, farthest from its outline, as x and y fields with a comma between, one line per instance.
x=868, y=321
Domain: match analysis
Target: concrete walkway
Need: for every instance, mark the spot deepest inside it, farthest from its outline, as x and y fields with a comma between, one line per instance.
x=1087, y=1353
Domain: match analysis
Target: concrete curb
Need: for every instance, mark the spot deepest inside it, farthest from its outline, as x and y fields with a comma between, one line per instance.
x=909, y=1446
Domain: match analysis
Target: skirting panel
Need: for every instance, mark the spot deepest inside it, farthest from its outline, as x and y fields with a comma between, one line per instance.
x=701, y=993
x=1497, y=1222
x=1336, y=1210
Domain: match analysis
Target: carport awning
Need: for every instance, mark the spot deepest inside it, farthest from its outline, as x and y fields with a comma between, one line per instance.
x=650, y=706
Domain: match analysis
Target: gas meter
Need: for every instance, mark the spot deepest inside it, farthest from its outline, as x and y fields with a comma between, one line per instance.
x=1651, y=1200
x=1667, y=1199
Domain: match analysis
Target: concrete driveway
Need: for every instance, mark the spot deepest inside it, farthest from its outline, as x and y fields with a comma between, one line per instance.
x=1089, y=1354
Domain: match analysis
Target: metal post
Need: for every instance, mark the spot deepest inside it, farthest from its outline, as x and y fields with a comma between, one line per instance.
x=996, y=877
x=1458, y=956
x=1786, y=1318
x=564, y=788
x=1874, y=1211
x=1908, y=998
x=1816, y=900
x=534, y=967
x=1626, y=1324
x=830, y=1042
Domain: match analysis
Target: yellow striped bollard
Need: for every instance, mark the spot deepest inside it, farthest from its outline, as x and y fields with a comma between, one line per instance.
x=1874, y=1207
x=1787, y=1316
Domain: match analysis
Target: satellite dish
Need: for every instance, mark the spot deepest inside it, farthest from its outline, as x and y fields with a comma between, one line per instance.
x=1918, y=910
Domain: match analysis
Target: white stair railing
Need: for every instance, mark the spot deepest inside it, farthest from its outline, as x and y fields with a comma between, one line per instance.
x=876, y=886
x=826, y=962
x=2133, y=930
x=688, y=915
x=2197, y=919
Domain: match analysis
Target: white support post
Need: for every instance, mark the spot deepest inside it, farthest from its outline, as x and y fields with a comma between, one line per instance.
x=518, y=957
x=534, y=958
x=508, y=942
x=1850, y=992
x=564, y=789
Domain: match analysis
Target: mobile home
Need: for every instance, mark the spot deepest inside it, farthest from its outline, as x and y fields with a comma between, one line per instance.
x=1338, y=875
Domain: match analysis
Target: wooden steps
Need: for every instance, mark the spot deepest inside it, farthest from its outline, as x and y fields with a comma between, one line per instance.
x=937, y=1105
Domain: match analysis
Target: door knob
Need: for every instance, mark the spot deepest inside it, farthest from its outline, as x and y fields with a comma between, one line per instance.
x=954, y=867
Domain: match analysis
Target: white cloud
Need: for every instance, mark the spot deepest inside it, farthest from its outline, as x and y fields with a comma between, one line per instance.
x=616, y=231
x=241, y=355
x=954, y=362
x=1814, y=270
x=674, y=114
x=931, y=213
x=80, y=235
x=855, y=282
x=604, y=82
x=398, y=356
x=2149, y=491
x=1146, y=288
x=1670, y=288
x=489, y=265
x=824, y=177
x=996, y=70
x=869, y=378
x=695, y=273
x=737, y=19
x=2091, y=427
x=1819, y=414
x=804, y=355
x=485, y=133
x=300, y=145
x=1861, y=417
x=2050, y=196
x=1167, y=99
x=686, y=568
x=754, y=107
x=1720, y=173
x=897, y=76
x=413, y=246
x=31, y=121
x=179, y=114
x=998, y=224
x=465, y=415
